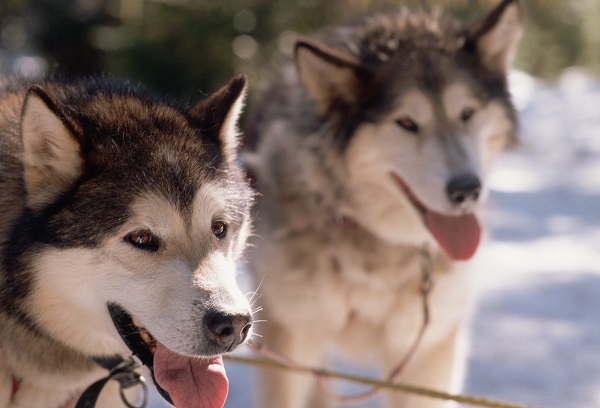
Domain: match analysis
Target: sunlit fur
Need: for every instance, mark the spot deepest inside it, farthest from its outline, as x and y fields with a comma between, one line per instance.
x=82, y=166
x=339, y=239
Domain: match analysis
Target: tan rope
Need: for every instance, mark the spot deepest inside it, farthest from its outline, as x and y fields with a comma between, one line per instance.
x=411, y=389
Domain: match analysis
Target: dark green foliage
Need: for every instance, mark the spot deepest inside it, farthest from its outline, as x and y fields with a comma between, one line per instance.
x=188, y=48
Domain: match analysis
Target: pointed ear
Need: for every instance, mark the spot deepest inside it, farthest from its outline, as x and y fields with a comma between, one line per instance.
x=221, y=112
x=52, y=158
x=496, y=37
x=329, y=75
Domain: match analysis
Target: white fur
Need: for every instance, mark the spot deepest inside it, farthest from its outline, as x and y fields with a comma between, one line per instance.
x=422, y=161
x=73, y=286
x=60, y=316
x=229, y=132
x=357, y=288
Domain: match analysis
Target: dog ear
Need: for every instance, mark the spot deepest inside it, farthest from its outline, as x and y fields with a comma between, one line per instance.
x=221, y=111
x=52, y=158
x=496, y=37
x=329, y=75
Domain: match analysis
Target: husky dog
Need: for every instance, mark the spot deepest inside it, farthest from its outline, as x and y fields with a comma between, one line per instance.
x=121, y=219
x=375, y=145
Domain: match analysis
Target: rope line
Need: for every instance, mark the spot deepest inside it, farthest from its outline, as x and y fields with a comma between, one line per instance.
x=275, y=360
x=323, y=382
x=411, y=389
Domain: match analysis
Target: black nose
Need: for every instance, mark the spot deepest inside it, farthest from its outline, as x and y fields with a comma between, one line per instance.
x=227, y=329
x=463, y=188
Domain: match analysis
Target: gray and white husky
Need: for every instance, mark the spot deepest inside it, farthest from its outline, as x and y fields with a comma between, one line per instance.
x=371, y=153
x=121, y=219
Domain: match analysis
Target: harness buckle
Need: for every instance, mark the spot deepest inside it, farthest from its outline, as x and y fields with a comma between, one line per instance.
x=124, y=373
x=127, y=378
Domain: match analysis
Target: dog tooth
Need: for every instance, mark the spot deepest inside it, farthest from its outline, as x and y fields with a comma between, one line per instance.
x=152, y=348
x=136, y=322
x=146, y=336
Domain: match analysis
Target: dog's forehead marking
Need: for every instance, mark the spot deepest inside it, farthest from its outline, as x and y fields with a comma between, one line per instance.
x=456, y=97
x=417, y=106
x=160, y=215
x=216, y=201
x=209, y=203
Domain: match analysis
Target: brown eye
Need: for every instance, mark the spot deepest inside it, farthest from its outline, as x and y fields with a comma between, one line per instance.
x=408, y=124
x=219, y=228
x=467, y=114
x=143, y=239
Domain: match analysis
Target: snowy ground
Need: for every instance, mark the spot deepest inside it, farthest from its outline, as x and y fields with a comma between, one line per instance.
x=535, y=333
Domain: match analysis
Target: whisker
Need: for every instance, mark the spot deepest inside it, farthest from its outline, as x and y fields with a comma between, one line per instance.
x=252, y=299
x=255, y=300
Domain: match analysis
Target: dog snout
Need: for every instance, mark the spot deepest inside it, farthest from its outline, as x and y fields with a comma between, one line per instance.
x=228, y=330
x=463, y=189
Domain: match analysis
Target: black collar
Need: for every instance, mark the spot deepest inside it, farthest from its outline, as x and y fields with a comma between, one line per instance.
x=120, y=370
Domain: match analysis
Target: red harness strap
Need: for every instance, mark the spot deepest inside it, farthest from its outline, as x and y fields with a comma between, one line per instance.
x=16, y=384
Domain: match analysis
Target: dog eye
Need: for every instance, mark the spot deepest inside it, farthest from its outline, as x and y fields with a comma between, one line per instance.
x=219, y=228
x=467, y=114
x=408, y=124
x=143, y=239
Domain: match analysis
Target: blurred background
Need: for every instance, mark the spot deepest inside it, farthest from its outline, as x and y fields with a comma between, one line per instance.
x=186, y=48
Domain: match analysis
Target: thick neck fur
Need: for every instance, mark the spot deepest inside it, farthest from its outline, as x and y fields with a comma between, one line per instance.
x=21, y=342
x=304, y=173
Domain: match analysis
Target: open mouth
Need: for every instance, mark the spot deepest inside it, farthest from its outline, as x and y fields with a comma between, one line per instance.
x=457, y=235
x=139, y=340
x=182, y=381
x=136, y=337
x=409, y=194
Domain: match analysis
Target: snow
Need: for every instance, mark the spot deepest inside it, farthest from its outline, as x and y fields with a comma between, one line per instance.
x=535, y=336
x=535, y=328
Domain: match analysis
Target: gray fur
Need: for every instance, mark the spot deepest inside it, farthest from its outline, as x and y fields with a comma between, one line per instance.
x=337, y=272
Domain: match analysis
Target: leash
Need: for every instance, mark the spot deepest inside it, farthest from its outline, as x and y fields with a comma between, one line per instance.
x=323, y=377
x=277, y=361
x=401, y=387
x=122, y=371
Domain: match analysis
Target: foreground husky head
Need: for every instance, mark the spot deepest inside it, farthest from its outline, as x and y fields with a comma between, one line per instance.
x=420, y=107
x=135, y=214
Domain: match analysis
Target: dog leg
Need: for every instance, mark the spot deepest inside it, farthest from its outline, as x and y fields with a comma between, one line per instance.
x=290, y=390
x=433, y=367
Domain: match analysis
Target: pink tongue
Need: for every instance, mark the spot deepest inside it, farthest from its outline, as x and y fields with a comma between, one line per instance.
x=191, y=382
x=458, y=236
